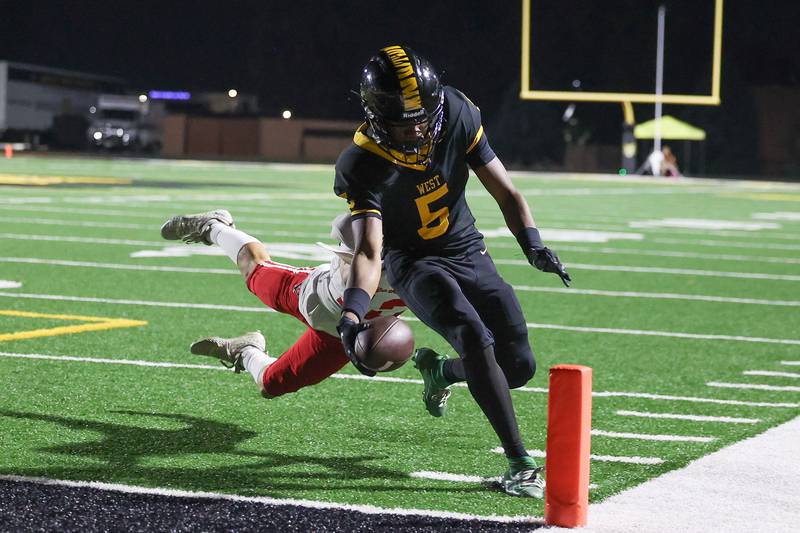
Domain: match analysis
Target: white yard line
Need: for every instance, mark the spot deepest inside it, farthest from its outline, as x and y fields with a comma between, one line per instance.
x=694, y=418
x=82, y=240
x=790, y=363
x=647, y=436
x=100, y=360
x=180, y=305
x=117, y=266
x=265, y=500
x=81, y=223
x=635, y=460
x=728, y=244
x=580, y=329
x=659, y=253
x=708, y=494
x=696, y=336
x=660, y=270
x=460, y=478
x=658, y=295
x=770, y=373
x=752, y=386
x=691, y=399
x=389, y=379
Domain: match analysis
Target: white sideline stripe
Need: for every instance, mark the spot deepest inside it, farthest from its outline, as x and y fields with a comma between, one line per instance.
x=182, y=305
x=116, y=266
x=770, y=373
x=659, y=295
x=646, y=436
x=695, y=418
x=459, y=478
x=698, y=336
x=660, y=270
x=602, y=458
x=311, y=504
x=389, y=379
x=753, y=386
x=790, y=363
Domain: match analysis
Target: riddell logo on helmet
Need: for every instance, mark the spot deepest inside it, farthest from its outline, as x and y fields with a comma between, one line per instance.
x=405, y=74
x=414, y=114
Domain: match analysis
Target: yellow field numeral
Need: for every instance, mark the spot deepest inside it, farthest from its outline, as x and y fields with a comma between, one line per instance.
x=95, y=323
x=428, y=217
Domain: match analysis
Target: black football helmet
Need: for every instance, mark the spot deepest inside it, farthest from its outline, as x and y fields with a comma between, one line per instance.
x=400, y=90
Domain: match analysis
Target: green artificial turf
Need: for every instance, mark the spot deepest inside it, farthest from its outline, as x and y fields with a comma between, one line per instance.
x=355, y=441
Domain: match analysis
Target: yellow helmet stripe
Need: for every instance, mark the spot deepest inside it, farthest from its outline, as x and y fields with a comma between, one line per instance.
x=404, y=71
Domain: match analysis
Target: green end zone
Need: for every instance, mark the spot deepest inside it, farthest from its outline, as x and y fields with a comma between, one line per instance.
x=352, y=441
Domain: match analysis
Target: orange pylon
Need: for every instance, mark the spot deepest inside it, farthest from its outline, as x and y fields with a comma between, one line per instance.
x=9, y=151
x=569, y=425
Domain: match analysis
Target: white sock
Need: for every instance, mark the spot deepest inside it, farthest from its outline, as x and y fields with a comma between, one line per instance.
x=229, y=239
x=255, y=361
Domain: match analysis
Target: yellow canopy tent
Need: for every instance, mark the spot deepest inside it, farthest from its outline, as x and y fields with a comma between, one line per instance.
x=671, y=128
x=675, y=130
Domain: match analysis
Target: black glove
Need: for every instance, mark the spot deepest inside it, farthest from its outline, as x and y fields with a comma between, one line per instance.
x=348, y=331
x=546, y=260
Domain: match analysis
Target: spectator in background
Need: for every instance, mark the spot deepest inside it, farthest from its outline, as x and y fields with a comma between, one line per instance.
x=669, y=163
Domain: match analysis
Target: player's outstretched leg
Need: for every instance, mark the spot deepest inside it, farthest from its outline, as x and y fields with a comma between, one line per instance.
x=216, y=227
x=247, y=352
x=194, y=228
x=435, y=390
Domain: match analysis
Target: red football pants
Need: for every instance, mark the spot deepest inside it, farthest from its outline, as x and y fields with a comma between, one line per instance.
x=316, y=354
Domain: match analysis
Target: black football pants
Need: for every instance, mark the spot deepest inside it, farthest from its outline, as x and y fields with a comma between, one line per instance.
x=464, y=299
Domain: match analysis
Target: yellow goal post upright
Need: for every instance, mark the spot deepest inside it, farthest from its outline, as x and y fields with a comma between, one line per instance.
x=527, y=92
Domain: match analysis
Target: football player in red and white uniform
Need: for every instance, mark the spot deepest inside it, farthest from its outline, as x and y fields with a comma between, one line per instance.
x=313, y=295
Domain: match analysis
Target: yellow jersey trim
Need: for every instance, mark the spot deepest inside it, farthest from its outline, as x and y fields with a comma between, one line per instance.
x=362, y=211
x=362, y=140
x=475, y=141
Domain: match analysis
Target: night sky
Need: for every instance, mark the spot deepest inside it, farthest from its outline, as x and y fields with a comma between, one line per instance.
x=307, y=55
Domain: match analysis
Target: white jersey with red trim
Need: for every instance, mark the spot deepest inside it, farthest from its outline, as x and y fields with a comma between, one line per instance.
x=322, y=294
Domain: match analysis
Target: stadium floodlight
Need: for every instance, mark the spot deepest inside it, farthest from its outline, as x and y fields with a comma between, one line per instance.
x=233, y=93
x=287, y=114
x=143, y=98
x=529, y=93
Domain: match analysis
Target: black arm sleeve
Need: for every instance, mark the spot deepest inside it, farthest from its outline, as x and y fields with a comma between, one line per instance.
x=479, y=152
x=353, y=174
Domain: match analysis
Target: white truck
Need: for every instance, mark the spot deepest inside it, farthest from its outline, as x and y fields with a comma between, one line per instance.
x=32, y=96
x=125, y=122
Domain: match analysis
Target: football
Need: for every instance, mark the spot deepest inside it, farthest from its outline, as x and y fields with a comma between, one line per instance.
x=386, y=345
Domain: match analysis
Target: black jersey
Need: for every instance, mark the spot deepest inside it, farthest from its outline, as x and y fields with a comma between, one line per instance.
x=423, y=208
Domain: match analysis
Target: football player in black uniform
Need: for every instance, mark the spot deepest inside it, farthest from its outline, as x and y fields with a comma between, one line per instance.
x=404, y=178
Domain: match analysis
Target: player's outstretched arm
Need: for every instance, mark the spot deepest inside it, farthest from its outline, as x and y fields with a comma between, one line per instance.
x=518, y=218
x=365, y=274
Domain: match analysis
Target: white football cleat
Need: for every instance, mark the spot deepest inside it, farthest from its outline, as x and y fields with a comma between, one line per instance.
x=194, y=228
x=229, y=351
